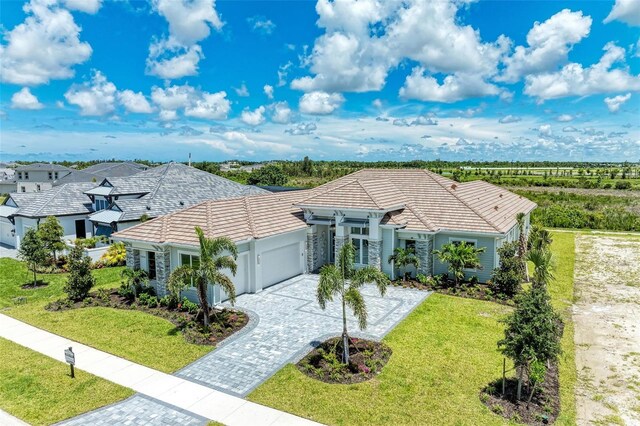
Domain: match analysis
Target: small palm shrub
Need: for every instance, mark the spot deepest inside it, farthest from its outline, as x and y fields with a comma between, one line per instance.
x=115, y=255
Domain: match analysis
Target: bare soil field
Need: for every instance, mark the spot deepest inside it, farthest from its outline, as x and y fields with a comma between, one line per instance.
x=581, y=191
x=607, y=329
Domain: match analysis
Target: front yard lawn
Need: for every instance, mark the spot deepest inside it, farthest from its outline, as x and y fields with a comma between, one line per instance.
x=40, y=391
x=134, y=335
x=444, y=353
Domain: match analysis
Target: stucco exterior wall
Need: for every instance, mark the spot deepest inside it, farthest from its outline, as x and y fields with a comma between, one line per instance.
x=487, y=259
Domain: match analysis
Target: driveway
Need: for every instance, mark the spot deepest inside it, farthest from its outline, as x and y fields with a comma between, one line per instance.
x=285, y=324
x=6, y=251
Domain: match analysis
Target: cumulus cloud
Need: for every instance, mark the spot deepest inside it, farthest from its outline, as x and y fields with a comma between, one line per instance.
x=268, y=90
x=364, y=40
x=134, y=102
x=549, y=44
x=302, y=129
x=96, y=97
x=563, y=118
x=24, y=99
x=44, y=47
x=87, y=6
x=253, y=118
x=242, y=90
x=281, y=113
x=195, y=103
x=190, y=21
x=627, y=11
x=320, y=103
x=377, y=103
x=509, y=119
x=616, y=102
x=544, y=130
x=283, y=73
x=569, y=129
x=574, y=80
x=453, y=88
x=261, y=25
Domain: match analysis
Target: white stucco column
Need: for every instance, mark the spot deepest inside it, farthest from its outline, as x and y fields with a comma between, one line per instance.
x=342, y=235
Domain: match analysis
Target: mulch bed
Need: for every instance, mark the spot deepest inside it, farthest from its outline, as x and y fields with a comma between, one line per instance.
x=223, y=322
x=366, y=359
x=468, y=290
x=30, y=286
x=543, y=408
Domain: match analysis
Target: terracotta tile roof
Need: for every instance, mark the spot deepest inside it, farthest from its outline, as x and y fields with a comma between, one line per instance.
x=425, y=201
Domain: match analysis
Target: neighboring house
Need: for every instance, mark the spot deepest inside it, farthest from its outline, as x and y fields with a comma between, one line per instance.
x=284, y=234
x=123, y=202
x=7, y=180
x=38, y=176
x=67, y=202
x=89, y=208
x=97, y=172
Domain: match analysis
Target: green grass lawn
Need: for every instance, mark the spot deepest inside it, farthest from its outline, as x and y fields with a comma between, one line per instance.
x=136, y=336
x=444, y=353
x=39, y=390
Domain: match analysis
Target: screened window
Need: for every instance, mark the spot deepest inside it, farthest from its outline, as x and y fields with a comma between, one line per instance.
x=151, y=272
x=190, y=259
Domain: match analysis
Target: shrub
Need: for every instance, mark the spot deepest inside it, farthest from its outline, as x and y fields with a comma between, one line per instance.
x=623, y=185
x=188, y=306
x=90, y=242
x=127, y=292
x=422, y=278
x=103, y=295
x=507, y=278
x=80, y=279
x=115, y=255
x=169, y=301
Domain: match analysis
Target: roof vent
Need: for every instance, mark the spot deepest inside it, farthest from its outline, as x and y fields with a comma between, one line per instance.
x=148, y=207
x=501, y=195
x=454, y=186
x=182, y=203
x=495, y=208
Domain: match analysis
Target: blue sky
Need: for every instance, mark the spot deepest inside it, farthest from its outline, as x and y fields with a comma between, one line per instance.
x=368, y=80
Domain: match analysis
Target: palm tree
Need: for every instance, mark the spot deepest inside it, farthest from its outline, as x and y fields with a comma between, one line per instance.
x=539, y=238
x=543, y=266
x=134, y=278
x=460, y=256
x=344, y=281
x=522, y=245
x=209, y=270
x=403, y=257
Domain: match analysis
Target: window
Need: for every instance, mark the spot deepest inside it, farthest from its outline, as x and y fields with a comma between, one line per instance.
x=190, y=259
x=101, y=204
x=361, y=244
x=26, y=175
x=151, y=270
x=56, y=175
x=360, y=231
x=410, y=244
x=19, y=175
x=50, y=175
x=23, y=189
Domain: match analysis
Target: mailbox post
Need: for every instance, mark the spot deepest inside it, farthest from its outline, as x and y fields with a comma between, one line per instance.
x=70, y=358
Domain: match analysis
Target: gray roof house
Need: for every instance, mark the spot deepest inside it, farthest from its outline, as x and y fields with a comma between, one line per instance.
x=37, y=177
x=281, y=235
x=97, y=172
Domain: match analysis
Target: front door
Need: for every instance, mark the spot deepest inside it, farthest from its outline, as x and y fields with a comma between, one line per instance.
x=81, y=232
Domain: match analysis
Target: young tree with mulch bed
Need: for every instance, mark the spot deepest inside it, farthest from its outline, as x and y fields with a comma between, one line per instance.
x=80, y=280
x=344, y=280
x=212, y=261
x=460, y=256
x=51, y=232
x=32, y=252
x=403, y=257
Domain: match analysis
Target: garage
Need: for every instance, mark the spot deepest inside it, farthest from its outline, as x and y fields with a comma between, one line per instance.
x=241, y=279
x=280, y=264
x=6, y=235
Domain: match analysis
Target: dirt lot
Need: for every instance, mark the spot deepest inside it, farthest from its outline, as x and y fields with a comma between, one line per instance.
x=607, y=329
x=581, y=191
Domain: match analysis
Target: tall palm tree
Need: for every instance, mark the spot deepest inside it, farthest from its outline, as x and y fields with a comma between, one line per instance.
x=460, y=256
x=403, y=257
x=522, y=245
x=539, y=238
x=209, y=270
x=344, y=281
x=543, y=266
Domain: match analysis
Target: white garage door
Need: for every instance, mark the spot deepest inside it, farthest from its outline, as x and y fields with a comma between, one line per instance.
x=241, y=279
x=5, y=233
x=280, y=264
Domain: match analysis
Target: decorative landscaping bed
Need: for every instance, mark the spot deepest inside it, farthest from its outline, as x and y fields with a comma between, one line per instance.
x=366, y=359
x=543, y=408
x=470, y=290
x=185, y=315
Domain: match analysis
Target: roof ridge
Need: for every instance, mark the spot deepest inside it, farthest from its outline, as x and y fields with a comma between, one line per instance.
x=59, y=188
x=324, y=191
x=247, y=207
x=163, y=175
x=421, y=217
x=490, y=223
x=375, y=201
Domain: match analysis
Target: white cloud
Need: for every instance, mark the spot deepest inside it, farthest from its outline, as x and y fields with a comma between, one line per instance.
x=627, y=11
x=377, y=103
x=616, y=102
x=549, y=45
x=574, y=80
x=134, y=102
x=96, y=97
x=563, y=118
x=261, y=25
x=213, y=106
x=44, y=47
x=253, y=118
x=281, y=113
x=268, y=90
x=283, y=72
x=87, y=6
x=190, y=21
x=302, y=129
x=24, y=99
x=569, y=129
x=453, y=88
x=364, y=40
x=320, y=103
x=509, y=119
x=544, y=130
x=242, y=90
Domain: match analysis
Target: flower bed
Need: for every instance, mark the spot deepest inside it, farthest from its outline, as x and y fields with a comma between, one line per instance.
x=185, y=315
x=366, y=359
x=470, y=290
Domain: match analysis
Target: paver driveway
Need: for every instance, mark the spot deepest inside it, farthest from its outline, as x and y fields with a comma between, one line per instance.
x=286, y=321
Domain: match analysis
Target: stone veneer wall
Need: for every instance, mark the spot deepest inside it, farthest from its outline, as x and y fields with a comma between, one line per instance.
x=339, y=242
x=163, y=269
x=132, y=258
x=424, y=251
x=313, y=255
x=375, y=252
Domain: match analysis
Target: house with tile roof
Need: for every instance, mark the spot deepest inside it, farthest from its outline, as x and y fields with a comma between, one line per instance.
x=88, y=208
x=281, y=235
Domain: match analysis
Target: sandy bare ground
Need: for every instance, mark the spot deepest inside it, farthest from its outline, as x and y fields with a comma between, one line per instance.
x=607, y=329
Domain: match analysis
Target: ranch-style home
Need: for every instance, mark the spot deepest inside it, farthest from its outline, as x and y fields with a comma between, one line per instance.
x=282, y=235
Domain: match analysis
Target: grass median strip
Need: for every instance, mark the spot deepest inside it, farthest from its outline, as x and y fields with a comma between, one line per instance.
x=39, y=390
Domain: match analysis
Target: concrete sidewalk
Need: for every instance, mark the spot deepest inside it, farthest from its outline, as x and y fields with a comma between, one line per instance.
x=181, y=393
